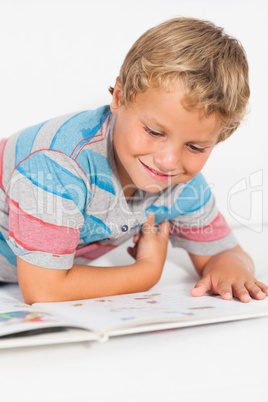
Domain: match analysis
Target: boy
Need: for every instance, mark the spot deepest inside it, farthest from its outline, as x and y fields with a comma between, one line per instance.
x=77, y=186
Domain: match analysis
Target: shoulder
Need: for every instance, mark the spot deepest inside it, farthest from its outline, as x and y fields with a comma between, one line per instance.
x=62, y=133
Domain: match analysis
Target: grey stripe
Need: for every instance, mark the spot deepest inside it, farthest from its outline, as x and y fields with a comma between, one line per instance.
x=208, y=248
x=44, y=205
x=199, y=218
x=69, y=164
x=48, y=131
x=9, y=158
x=46, y=260
x=8, y=272
x=4, y=219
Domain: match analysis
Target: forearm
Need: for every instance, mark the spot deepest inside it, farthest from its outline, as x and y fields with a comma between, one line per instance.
x=89, y=281
x=84, y=282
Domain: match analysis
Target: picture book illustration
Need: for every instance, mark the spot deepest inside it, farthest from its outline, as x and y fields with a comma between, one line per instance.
x=17, y=316
x=22, y=317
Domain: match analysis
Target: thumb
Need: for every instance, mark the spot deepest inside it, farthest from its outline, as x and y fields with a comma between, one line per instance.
x=148, y=227
x=136, y=238
x=164, y=230
x=203, y=286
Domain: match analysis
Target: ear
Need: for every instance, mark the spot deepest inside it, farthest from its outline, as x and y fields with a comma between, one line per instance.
x=117, y=96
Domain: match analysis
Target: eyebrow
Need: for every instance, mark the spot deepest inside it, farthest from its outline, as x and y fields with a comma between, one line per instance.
x=164, y=130
x=154, y=121
x=205, y=143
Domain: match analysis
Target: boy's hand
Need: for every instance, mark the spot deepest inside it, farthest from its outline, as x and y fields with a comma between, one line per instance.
x=151, y=243
x=228, y=275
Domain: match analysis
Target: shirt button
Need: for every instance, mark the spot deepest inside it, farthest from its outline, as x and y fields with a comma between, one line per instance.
x=124, y=228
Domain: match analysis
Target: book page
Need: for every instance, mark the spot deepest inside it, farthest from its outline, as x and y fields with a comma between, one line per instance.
x=168, y=305
x=16, y=316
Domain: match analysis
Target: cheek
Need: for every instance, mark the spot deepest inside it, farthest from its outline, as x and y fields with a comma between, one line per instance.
x=143, y=144
x=195, y=162
x=139, y=144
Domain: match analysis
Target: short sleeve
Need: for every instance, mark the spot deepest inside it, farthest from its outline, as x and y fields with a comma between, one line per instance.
x=47, y=196
x=199, y=227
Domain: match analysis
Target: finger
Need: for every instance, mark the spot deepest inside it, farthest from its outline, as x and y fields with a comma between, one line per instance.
x=224, y=289
x=263, y=287
x=164, y=230
x=255, y=291
x=151, y=218
x=132, y=251
x=203, y=286
x=148, y=227
x=136, y=238
x=241, y=293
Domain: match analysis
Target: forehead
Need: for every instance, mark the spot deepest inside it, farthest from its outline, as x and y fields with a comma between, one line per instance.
x=162, y=107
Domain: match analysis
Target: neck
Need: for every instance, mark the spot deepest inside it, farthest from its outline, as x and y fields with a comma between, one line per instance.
x=127, y=184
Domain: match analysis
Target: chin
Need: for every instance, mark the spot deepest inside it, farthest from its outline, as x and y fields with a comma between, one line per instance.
x=153, y=188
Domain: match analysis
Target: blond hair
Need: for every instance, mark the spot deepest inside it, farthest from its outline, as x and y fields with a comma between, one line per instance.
x=211, y=64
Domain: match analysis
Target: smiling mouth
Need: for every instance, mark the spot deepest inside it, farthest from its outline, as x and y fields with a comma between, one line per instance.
x=156, y=172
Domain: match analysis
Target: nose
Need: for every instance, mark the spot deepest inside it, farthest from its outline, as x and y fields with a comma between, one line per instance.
x=167, y=160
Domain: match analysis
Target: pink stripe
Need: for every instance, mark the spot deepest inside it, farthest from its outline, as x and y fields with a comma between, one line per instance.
x=216, y=230
x=35, y=235
x=2, y=150
x=94, y=250
x=50, y=150
x=93, y=142
x=88, y=138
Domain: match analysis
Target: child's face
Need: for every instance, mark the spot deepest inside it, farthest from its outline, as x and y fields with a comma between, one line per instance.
x=157, y=142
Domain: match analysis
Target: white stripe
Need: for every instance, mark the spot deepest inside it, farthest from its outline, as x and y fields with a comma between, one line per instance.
x=48, y=131
x=43, y=205
x=205, y=248
x=9, y=158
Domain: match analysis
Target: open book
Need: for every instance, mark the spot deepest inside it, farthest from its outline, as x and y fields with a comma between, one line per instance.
x=98, y=319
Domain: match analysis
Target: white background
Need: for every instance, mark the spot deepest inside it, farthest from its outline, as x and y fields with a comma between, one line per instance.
x=60, y=56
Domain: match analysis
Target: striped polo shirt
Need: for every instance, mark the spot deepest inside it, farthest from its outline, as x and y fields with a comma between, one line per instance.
x=61, y=201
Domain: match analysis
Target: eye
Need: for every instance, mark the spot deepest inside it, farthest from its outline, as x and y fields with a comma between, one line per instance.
x=152, y=132
x=195, y=148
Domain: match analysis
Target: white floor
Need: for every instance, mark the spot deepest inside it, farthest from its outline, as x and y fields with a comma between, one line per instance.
x=219, y=362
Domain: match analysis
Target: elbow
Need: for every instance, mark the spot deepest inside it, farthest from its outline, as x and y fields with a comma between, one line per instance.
x=28, y=299
x=40, y=285
x=31, y=297
x=38, y=291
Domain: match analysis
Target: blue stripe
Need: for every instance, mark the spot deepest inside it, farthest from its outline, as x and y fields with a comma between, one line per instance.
x=97, y=168
x=6, y=251
x=45, y=173
x=94, y=229
x=69, y=122
x=74, y=132
x=193, y=197
x=161, y=213
x=89, y=133
x=25, y=142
